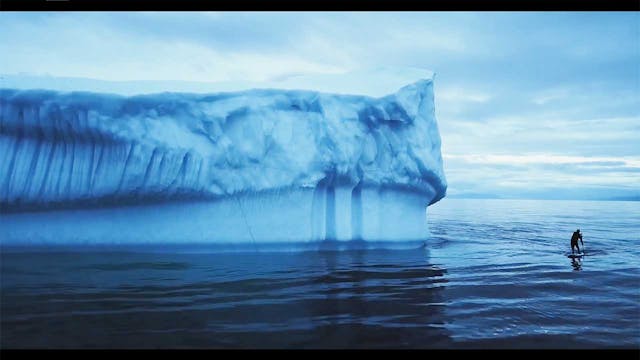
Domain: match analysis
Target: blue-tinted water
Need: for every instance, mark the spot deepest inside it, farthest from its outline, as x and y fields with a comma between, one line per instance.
x=495, y=274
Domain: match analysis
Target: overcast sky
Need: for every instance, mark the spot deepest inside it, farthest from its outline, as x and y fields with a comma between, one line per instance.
x=529, y=104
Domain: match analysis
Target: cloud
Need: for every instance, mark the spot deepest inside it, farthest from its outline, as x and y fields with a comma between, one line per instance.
x=456, y=94
x=524, y=101
x=550, y=133
x=542, y=175
x=545, y=159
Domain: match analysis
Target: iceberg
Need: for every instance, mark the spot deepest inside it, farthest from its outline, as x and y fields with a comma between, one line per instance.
x=254, y=166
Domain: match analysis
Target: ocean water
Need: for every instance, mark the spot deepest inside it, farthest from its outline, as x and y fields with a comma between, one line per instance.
x=494, y=274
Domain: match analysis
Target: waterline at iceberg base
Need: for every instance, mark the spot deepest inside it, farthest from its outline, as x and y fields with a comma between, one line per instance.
x=284, y=218
x=253, y=167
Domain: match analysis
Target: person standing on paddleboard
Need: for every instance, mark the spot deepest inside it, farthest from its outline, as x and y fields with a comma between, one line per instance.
x=574, y=240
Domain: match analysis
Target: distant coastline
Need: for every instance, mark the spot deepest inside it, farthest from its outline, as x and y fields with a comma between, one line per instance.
x=498, y=197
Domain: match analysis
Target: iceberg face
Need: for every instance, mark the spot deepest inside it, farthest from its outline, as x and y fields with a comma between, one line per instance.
x=251, y=166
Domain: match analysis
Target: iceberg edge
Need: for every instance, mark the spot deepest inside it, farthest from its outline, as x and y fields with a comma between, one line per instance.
x=330, y=164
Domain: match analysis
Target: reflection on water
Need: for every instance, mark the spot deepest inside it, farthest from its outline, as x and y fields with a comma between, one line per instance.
x=576, y=263
x=494, y=275
x=362, y=298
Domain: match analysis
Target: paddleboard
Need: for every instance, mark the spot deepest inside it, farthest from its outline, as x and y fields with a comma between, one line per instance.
x=575, y=256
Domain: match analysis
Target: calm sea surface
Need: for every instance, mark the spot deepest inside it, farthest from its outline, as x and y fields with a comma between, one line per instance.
x=495, y=274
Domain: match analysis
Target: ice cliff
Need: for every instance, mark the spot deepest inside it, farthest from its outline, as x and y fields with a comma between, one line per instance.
x=256, y=165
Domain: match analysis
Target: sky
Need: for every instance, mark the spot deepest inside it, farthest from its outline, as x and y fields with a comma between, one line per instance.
x=529, y=104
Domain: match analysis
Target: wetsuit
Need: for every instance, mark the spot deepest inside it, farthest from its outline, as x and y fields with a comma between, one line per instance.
x=574, y=241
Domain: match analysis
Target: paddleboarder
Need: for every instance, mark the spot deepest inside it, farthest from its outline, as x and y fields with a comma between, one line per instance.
x=574, y=240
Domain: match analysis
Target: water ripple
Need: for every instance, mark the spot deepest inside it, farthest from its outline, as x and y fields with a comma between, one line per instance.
x=495, y=275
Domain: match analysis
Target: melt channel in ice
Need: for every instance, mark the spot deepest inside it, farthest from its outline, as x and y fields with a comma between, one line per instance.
x=255, y=166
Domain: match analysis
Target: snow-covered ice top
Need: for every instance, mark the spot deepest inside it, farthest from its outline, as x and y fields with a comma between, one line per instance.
x=374, y=82
x=81, y=147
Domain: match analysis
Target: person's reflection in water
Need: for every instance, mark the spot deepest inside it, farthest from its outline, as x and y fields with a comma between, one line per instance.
x=576, y=263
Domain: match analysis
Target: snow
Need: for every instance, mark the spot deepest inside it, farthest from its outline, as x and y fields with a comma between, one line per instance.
x=260, y=165
x=375, y=82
